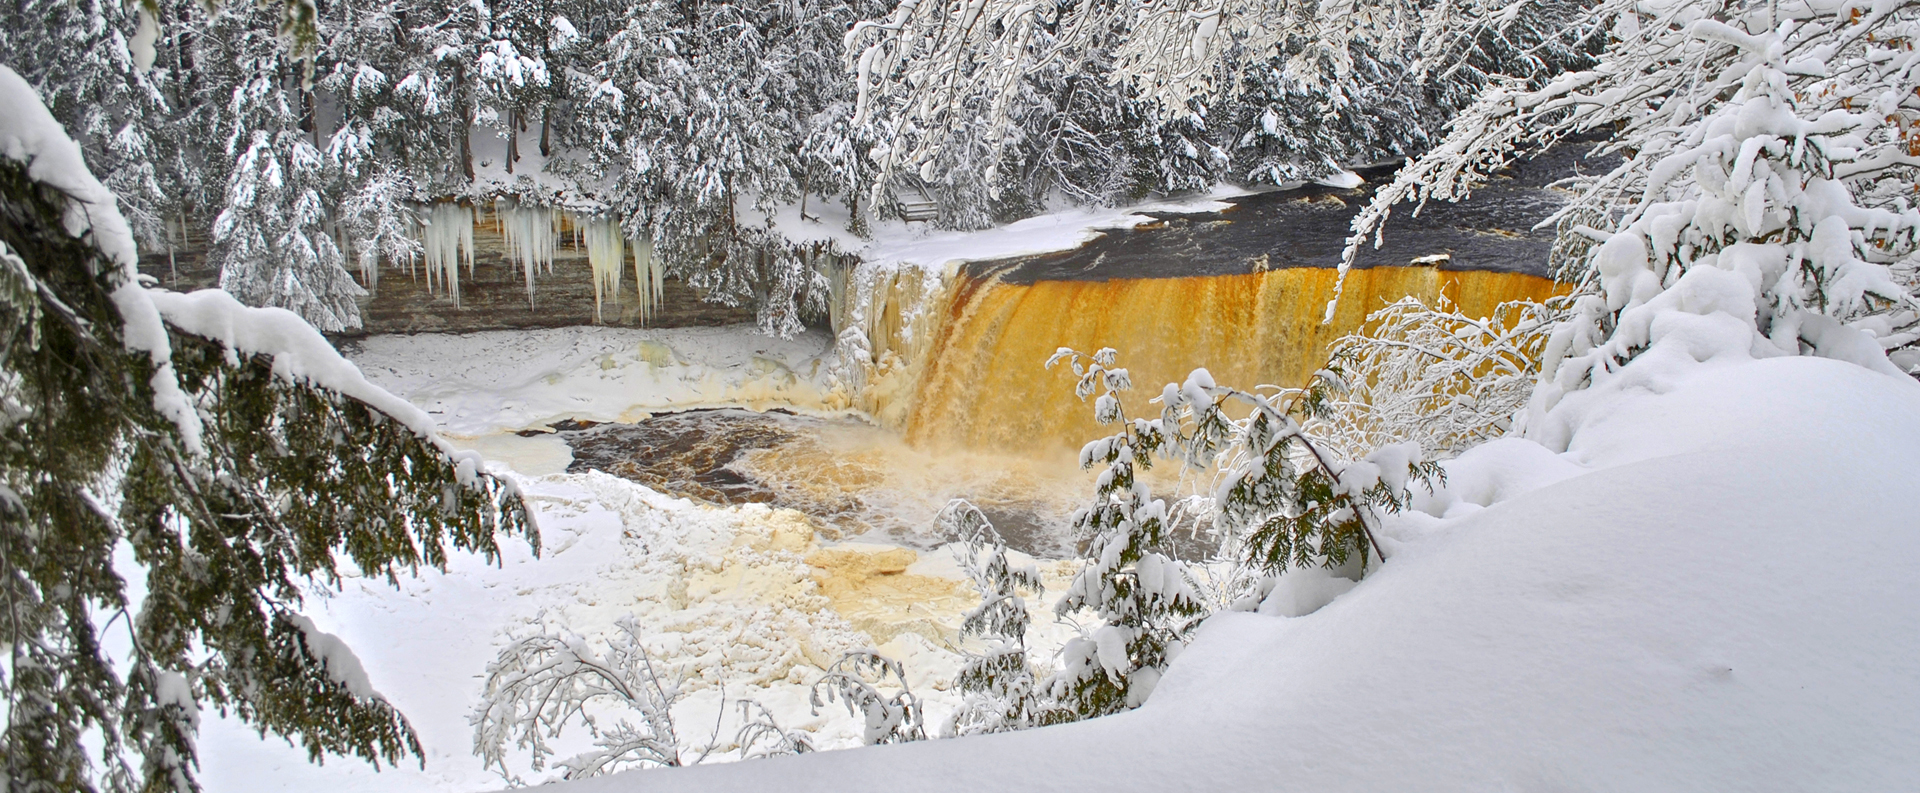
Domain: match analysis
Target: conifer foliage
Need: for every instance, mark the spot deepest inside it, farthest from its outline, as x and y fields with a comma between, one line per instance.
x=999, y=682
x=233, y=478
x=1282, y=497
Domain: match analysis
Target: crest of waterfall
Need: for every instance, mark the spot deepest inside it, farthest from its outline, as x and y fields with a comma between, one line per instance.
x=606, y=248
x=446, y=239
x=531, y=236
x=646, y=270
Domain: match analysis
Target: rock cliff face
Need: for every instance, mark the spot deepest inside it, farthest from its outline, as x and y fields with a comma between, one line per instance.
x=493, y=298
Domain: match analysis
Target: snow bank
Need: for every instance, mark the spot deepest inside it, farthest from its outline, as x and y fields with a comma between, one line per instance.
x=898, y=244
x=1719, y=596
x=482, y=383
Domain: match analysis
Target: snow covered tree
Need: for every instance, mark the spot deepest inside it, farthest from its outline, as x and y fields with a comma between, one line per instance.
x=1761, y=207
x=1000, y=687
x=93, y=64
x=236, y=459
x=1141, y=595
x=1353, y=79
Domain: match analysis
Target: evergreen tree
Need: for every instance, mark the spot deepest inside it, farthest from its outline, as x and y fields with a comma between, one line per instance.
x=1142, y=596
x=999, y=683
x=237, y=458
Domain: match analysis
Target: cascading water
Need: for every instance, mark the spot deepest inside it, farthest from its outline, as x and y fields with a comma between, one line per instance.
x=982, y=385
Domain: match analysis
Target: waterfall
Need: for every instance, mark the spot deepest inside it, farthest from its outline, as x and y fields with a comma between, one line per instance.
x=446, y=240
x=981, y=385
x=531, y=237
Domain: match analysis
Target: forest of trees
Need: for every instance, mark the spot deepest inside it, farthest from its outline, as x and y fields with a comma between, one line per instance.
x=306, y=141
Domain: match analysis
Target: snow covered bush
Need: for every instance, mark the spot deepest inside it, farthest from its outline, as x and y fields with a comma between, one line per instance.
x=1281, y=497
x=541, y=684
x=854, y=680
x=1000, y=686
x=176, y=473
x=1434, y=376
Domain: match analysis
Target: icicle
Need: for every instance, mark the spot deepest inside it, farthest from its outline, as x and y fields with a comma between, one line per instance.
x=647, y=272
x=605, y=250
x=531, y=238
x=446, y=239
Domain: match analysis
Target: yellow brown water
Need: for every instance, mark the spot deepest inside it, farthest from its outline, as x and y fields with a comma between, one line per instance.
x=982, y=385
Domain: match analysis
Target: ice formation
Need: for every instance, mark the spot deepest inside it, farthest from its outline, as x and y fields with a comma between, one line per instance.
x=646, y=270
x=531, y=238
x=605, y=250
x=447, y=240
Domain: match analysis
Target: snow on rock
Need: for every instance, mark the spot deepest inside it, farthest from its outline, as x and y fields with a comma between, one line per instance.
x=897, y=244
x=1720, y=598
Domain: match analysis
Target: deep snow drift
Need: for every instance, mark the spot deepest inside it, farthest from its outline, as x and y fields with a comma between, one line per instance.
x=1711, y=589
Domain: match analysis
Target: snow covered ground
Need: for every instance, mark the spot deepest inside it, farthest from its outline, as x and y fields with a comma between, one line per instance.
x=745, y=600
x=1711, y=589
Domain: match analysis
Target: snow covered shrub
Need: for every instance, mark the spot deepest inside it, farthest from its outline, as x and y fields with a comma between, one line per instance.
x=999, y=683
x=1762, y=206
x=760, y=729
x=1286, y=497
x=229, y=457
x=854, y=680
x=1434, y=376
x=540, y=684
x=1141, y=595
x=1282, y=498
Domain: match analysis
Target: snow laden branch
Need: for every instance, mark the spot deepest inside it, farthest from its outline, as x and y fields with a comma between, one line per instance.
x=541, y=684
x=236, y=456
x=854, y=680
x=1434, y=376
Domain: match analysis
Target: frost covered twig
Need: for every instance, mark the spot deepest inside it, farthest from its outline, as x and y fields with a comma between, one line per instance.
x=852, y=680
x=541, y=684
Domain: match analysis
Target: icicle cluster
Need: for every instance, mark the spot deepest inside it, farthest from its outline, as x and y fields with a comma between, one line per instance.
x=447, y=241
x=532, y=237
x=606, y=249
x=646, y=270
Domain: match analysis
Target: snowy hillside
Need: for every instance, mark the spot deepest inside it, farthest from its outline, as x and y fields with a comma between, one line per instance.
x=1708, y=591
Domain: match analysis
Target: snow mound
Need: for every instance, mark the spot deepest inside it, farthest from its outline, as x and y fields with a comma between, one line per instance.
x=1719, y=597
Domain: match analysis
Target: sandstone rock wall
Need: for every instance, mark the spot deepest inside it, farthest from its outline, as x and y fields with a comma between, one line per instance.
x=493, y=298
